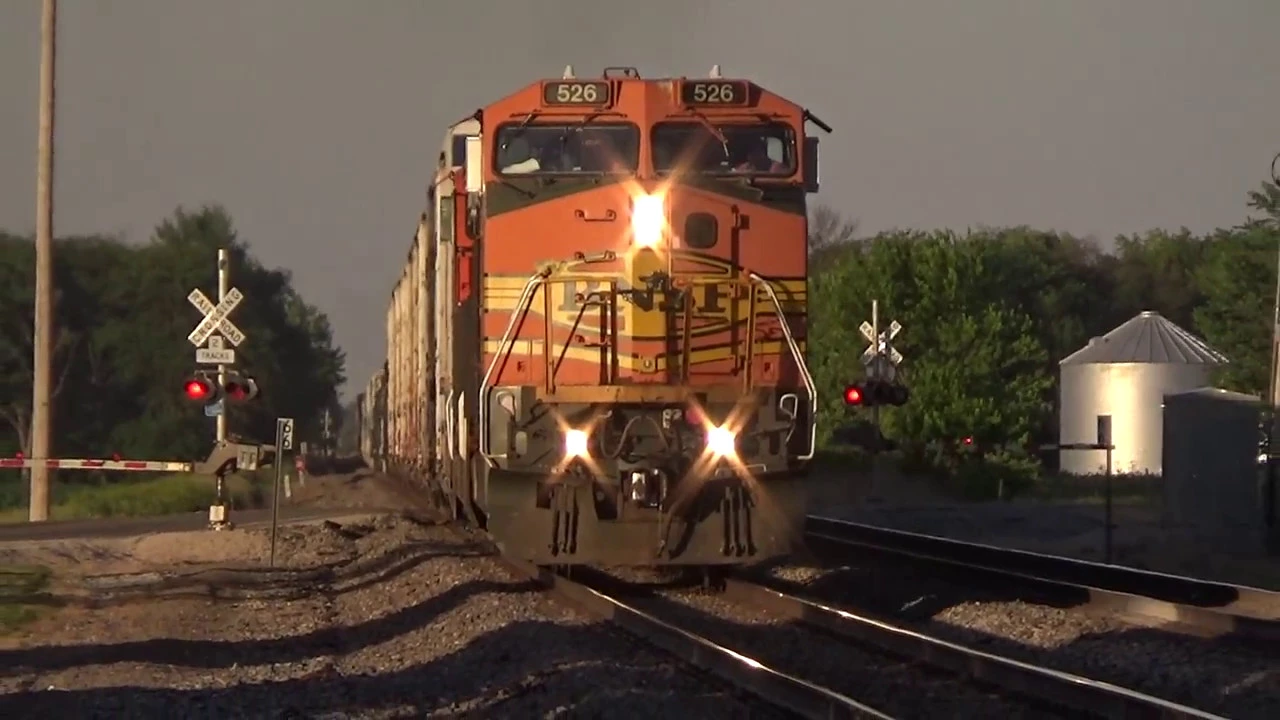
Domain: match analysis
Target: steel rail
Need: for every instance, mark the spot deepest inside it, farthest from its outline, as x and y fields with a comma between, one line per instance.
x=1059, y=688
x=788, y=692
x=1219, y=608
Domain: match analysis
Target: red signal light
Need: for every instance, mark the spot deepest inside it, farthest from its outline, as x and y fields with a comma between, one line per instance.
x=239, y=388
x=968, y=440
x=197, y=389
x=853, y=395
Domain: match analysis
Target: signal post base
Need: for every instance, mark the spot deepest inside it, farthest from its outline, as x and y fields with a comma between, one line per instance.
x=218, y=518
x=879, y=469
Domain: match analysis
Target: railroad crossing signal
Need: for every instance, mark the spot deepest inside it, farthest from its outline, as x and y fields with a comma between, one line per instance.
x=874, y=393
x=203, y=387
x=240, y=388
x=881, y=359
x=216, y=320
x=215, y=354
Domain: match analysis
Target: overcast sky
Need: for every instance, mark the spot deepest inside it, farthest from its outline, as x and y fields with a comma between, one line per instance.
x=315, y=122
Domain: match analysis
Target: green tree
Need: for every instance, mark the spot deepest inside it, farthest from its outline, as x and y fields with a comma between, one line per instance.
x=289, y=350
x=123, y=319
x=1238, y=282
x=78, y=264
x=1238, y=279
x=840, y=292
x=829, y=231
x=1267, y=199
x=984, y=379
x=1158, y=271
x=977, y=366
x=967, y=349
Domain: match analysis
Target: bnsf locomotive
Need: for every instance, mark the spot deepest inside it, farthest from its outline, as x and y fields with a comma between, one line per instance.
x=596, y=350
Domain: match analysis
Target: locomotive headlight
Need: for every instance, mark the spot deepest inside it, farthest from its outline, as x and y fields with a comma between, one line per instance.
x=721, y=442
x=575, y=443
x=647, y=220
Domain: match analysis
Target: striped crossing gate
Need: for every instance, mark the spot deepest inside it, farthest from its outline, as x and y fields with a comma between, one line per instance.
x=97, y=464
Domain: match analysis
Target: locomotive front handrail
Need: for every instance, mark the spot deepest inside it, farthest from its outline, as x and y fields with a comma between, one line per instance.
x=757, y=281
x=608, y=327
x=449, y=432
x=801, y=365
x=525, y=303
x=502, y=351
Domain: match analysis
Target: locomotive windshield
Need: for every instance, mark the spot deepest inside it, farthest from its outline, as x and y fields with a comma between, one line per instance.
x=567, y=149
x=746, y=149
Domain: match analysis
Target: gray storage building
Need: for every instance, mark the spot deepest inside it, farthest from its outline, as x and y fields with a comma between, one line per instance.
x=1125, y=375
x=1213, y=489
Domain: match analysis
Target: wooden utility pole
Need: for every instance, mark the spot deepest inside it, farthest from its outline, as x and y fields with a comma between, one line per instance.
x=1271, y=486
x=42, y=337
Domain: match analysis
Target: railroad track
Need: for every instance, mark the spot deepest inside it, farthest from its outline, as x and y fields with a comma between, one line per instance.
x=787, y=692
x=1193, y=605
x=606, y=597
x=792, y=694
x=1061, y=690
x=797, y=692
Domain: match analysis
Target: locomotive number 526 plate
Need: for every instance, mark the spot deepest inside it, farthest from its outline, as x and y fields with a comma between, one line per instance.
x=713, y=92
x=574, y=92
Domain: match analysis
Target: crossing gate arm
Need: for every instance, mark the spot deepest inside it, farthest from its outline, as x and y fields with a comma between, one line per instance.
x=225, y=457
x=97, y=464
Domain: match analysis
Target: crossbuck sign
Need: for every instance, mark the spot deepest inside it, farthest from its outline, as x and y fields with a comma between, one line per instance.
x=216, y=320
x=880, y=358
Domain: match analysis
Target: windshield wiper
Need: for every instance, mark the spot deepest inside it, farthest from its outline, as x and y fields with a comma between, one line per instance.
x=586, y=120
x=715, y=131
x=518, y=130
x=564, y=137
x=514, y=186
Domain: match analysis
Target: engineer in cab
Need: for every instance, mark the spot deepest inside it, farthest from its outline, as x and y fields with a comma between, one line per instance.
x=758, y=159
x=731, y=149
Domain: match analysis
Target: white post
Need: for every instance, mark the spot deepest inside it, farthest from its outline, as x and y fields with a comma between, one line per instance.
x=877, y=463
x=224, y=285
x=875, y=333
x=327, y=443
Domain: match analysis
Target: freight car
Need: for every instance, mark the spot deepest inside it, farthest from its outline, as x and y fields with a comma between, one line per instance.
x=596, y=347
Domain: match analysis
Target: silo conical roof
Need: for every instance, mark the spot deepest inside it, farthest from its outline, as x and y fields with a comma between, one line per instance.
x=1146, y=338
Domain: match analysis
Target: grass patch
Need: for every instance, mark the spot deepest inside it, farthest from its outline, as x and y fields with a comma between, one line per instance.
x=163, y=495
x=847, y=458
x=20, y=585
x=1091, y=489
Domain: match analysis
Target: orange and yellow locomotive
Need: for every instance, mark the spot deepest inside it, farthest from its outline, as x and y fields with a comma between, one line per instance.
x=597, y=348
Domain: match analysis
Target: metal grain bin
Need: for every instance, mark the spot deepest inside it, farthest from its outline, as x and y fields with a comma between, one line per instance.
x=1125, y=374
x=1212, y=484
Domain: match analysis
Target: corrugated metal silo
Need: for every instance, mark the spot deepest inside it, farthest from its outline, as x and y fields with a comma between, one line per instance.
x=1125, y=374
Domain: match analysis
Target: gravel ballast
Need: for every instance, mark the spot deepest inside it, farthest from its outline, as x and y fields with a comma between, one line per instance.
x=1223, y=676
x=898, y=688
x=420, y=624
